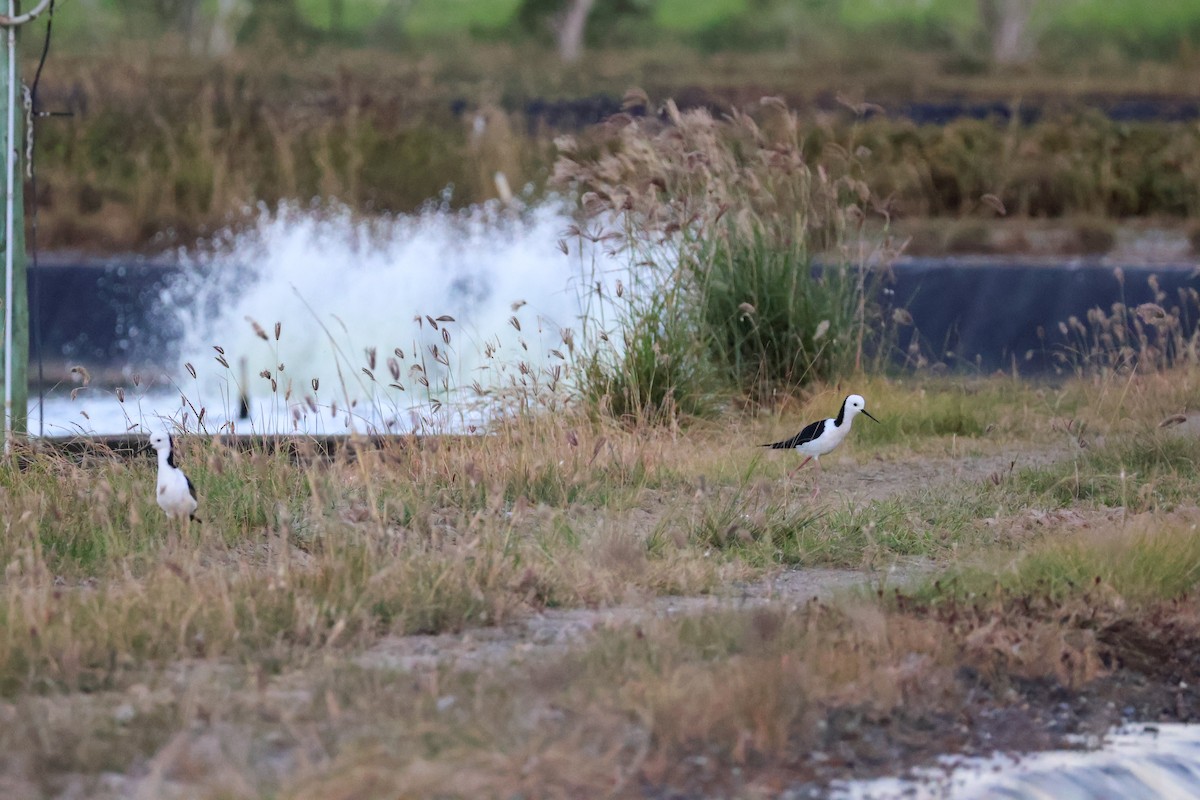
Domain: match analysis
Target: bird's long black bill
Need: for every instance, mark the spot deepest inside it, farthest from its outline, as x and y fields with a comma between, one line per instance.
x=868, y=413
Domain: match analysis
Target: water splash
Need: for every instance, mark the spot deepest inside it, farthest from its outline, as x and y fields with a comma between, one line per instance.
x=340, y=287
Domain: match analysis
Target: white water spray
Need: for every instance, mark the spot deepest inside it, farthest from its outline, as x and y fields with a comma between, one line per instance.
x=339, y=287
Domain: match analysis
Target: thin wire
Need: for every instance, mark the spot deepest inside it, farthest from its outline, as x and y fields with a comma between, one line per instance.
x=33, y=225
x=10, y=165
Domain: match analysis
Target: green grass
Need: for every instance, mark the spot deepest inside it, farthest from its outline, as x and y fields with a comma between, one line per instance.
x=1148, y=471
x=686, y=16
x=943, y=411
x=925, y=409
x=788, y=528
x=355, y=14
x=1145, y=559
x=1124, y=20
x=784, y=526
x=762, y=530
x=1167, y=33
x=923, y=522
x=440, y=17
x=769, y=321
x=945, y=14
x=1140, y=565
x=720, y=24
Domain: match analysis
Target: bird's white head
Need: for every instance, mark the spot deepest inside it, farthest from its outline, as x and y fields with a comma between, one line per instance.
x=854, y=405
x=160, y=441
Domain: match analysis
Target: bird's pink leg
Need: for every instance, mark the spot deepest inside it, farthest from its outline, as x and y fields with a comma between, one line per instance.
x=802, y=463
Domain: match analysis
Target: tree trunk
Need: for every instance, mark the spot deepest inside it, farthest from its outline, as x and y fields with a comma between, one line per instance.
x=569, y=28
x=1008, y=25
x=221, y=37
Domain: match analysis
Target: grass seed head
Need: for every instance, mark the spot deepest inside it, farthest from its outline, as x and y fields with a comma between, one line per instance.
x=258, y=329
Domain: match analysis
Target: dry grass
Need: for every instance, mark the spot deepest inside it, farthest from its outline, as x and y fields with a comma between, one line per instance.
x=298, y=555
x=1122, y=340
x=223, y=655
x=399, y=541
x=757, y=700
x=762, y=699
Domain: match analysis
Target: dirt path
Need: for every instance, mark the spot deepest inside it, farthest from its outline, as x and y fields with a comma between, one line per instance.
x=879, y=480
x=547, y=633
x=544, y=634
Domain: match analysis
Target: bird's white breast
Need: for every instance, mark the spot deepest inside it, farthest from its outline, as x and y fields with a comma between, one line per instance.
x=829, y=439
x=174, y=497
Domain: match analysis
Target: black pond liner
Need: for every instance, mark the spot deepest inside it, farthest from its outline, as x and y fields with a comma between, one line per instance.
x=99, y=313
x=986, y=312
x=577, y=113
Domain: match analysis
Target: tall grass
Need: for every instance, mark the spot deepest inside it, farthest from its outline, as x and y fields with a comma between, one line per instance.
x=725, y=216
x=655, y=373
x=640, y=359
x=772, y=319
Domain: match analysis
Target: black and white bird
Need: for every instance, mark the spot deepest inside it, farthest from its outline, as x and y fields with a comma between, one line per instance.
x=175, y=493
x=824, y=435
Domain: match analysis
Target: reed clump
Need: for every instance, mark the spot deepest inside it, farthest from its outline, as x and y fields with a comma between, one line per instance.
x=775, y=320
x=724, y=220
x=1150, y=337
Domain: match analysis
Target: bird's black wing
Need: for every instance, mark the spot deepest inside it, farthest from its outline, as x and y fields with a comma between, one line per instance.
x=807, y=435
x=192, y=489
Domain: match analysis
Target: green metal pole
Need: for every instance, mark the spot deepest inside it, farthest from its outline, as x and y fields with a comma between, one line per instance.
x=19, y=301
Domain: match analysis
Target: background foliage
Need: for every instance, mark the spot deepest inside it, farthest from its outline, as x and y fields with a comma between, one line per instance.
x=1081, y=28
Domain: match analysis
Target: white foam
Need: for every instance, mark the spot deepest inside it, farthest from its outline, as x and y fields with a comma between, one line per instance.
x=338, y=285
x=1135, y=761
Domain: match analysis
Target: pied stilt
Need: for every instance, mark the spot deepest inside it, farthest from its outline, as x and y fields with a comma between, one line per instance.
x=176, y=495
x=824, y=435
